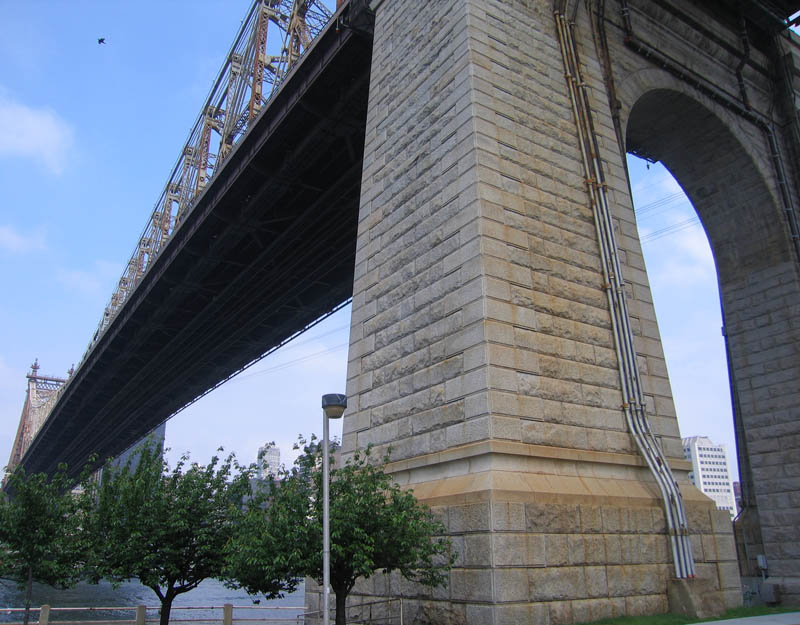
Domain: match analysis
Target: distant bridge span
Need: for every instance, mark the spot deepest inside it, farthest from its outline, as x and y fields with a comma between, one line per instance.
x=268, y=248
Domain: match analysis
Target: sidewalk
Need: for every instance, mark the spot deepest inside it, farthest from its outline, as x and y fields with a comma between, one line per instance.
x=787, y=618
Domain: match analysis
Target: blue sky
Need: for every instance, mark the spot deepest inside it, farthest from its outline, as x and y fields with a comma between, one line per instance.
x=88, y=136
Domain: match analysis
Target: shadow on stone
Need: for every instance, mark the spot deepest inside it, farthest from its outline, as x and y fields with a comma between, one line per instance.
x=695, y=598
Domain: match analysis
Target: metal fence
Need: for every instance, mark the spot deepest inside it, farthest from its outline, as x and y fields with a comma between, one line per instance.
x=226, y=614
x=384, y=612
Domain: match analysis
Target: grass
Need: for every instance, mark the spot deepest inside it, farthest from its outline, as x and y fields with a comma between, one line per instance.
x=677, y=619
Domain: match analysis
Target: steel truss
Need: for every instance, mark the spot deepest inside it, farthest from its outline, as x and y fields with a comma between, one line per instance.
x=273, y=37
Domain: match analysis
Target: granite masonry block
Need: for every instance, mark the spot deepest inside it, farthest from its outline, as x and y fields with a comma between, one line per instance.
x=508, y=516
x=480, y=315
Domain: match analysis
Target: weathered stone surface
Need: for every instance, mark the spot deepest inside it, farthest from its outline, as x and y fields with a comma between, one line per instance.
x=556, y=518
x=536, y=614
x=436, y=613
x=508, y=516
x=469, y=518
x=556, y=583
x=694, y=598
x=511, y=584
x=591, y=519
x=471, y=584
x=480, y=317
x=519, y=549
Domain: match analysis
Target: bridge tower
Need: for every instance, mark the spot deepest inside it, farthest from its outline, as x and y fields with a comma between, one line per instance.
x=504, y=341
x=41, y=389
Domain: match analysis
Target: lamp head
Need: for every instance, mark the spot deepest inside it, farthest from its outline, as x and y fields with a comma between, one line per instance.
x=333, y=405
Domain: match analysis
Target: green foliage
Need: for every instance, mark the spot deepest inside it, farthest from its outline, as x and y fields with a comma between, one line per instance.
x=257, y=558
x=375, y=526
x=167, y=527
x=42, y=531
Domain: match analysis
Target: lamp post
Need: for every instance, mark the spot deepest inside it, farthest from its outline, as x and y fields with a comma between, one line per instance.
x=333, y=406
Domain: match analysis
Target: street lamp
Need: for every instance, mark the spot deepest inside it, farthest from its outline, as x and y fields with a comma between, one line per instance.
x=333, y=406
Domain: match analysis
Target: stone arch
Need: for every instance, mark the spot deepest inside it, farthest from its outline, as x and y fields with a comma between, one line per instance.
x=722, y=168
x=722, y=163
x=718, y=175
x=639, y=83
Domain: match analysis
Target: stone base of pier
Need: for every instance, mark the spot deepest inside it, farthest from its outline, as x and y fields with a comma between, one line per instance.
x=551, y=536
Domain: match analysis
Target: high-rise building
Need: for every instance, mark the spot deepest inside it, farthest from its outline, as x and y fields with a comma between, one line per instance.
x=710, y=471
x=130, y=457
x=737, y=495
x=269, y=461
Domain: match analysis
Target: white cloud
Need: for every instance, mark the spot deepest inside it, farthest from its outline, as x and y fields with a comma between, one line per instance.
x=657, y=183
x=12, y=240
x=686, y=261
x=668, y=185
x=694, y=242
x=36, y=133
x=98, y=281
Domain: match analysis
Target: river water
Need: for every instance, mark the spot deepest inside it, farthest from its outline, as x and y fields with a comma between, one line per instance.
x=208, y=594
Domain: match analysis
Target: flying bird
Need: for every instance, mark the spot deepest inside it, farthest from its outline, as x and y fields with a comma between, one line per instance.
x=101, y=40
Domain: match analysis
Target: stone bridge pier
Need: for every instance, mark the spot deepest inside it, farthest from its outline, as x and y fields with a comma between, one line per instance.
x=482, y=346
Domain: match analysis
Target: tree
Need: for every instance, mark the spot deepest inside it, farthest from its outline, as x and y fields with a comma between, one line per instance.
x=168, y=528
x=375, y=526
x=256, y=556
x=42, y=531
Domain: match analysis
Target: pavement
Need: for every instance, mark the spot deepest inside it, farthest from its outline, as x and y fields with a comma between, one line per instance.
x=786, y=618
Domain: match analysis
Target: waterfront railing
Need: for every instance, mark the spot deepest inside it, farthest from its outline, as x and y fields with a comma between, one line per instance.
x=384, y=612
x=148, y=615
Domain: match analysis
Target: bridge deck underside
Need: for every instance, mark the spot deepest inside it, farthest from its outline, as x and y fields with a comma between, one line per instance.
x=267, y=249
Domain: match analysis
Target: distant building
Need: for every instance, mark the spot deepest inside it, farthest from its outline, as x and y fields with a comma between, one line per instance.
x=737, y=494
x=155, y=437
x=710, y=471
x=130, y=457
x=269, y=461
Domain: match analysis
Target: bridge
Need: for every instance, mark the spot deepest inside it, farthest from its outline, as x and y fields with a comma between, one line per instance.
x=252, y=240
x=457, y=168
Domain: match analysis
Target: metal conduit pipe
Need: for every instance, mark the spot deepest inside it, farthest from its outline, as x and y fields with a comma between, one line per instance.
x=624, y=359
x=596, y=195
x=601, y=42
x=743, y=61
x=633, y=403
x=652, y=450
x=789, y=92
x=788, y=208
x=606, y=234
x=718, y=95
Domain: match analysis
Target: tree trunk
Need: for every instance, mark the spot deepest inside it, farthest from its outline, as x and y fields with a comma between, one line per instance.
x=28, y=595
x=166, y=607
x=341, y=608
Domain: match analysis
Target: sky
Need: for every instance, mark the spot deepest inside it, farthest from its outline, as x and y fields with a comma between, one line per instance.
x=88, y=136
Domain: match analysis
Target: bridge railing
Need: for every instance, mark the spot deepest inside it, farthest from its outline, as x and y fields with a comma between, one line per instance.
x=274, y=35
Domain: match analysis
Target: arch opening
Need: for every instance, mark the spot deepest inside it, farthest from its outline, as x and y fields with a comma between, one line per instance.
x=683, y=285
x=758, y=292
